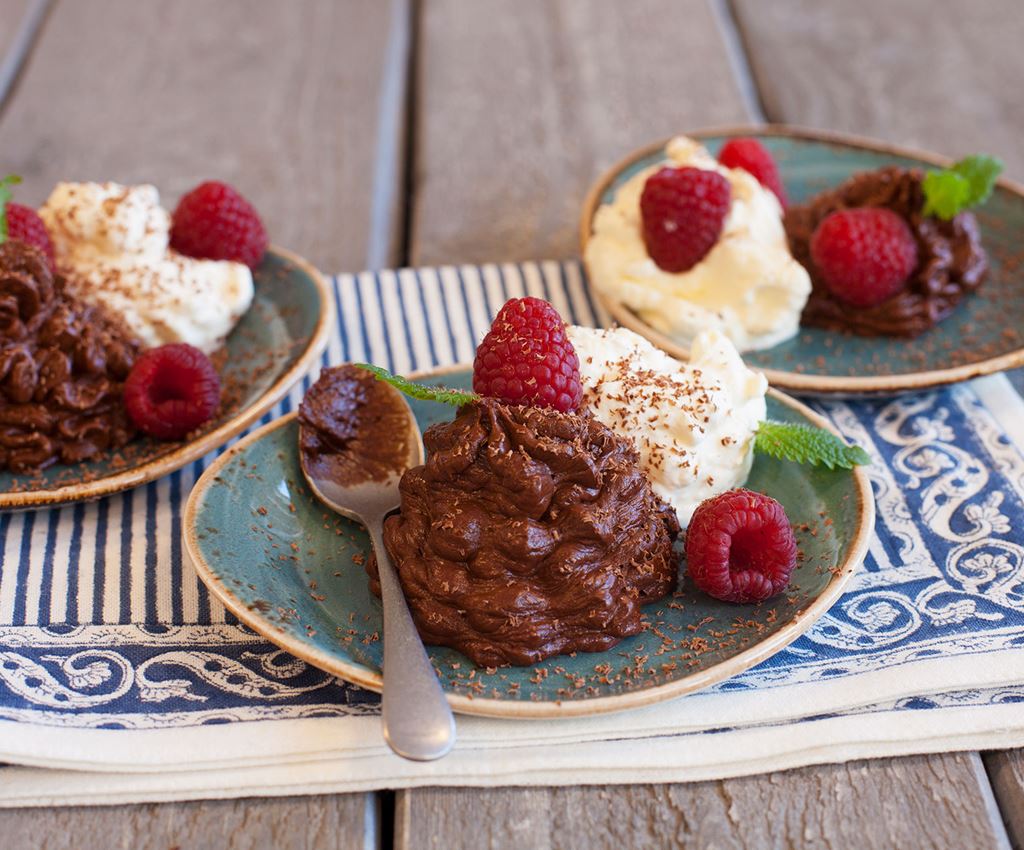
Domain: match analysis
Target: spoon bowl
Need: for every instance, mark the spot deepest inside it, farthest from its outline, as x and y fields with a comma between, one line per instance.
x=418, y=723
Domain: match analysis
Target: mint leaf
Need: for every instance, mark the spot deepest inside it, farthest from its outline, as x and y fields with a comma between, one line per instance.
x=968, y=183
x=5, y=196
x=945, y=193
x=805, y=444
x=981, y=172
x=456, y=398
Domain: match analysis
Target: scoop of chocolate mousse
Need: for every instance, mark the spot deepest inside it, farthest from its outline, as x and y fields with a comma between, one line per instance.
x=352, y=429
x=62, y=368
x=529, y=533
x=951, y=260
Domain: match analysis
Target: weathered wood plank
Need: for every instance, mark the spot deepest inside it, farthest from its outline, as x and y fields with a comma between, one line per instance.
x=939, y=74
x=521, y=105
x=300, y=105
x=20, y=21
x=907, y=803
x=346, y=822
x=1006, y=771
x=281, y=99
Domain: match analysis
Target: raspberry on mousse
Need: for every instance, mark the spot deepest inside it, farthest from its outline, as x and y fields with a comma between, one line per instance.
x=879, y=265
x=864, y=255
x=526, y=358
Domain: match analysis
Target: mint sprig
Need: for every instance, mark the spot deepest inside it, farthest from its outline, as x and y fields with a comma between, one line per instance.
x=5, y=195
x=804, y=444
x=966, y=184
x=444, y=395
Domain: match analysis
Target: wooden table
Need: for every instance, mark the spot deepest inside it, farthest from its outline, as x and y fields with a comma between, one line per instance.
x=375, y=134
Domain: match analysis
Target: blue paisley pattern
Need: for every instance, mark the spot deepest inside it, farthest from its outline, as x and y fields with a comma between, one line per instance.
x=944, y=573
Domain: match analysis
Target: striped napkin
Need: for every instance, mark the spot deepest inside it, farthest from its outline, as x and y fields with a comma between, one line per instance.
x=122, y=680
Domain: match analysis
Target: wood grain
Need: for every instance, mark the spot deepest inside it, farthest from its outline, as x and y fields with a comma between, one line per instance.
x=907, y=803
x=345, y=822
x=281, y=99
x=20, y=21
x=1006, y=770
x=938, y=74
x=521, y=105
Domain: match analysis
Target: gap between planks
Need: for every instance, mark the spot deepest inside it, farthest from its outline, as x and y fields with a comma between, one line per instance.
x=17, y=50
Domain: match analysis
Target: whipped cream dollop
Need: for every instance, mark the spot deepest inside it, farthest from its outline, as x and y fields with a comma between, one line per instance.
x=111, y=243
x=692, y=423
x=748, y=286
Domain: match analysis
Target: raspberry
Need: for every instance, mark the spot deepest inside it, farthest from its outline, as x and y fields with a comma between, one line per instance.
x=214, y=222
x=740, y=547
x=25, y=225
x=752, y=156
x=683, y=210
x=171, y=390
x=526, y=358
x=864, y=255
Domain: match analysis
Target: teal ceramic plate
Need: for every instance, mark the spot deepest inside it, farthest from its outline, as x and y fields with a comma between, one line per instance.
x=979, y=338
x=276, y=342
x=295, y=572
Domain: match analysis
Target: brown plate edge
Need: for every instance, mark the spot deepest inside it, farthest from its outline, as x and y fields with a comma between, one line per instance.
x=794, y=381
x=157, y=468
x=542, y=709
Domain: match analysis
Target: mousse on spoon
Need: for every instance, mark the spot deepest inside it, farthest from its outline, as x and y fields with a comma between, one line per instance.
x=357, y=436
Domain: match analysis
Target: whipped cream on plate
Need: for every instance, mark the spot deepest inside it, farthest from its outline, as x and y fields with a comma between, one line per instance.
x=748, y=286
x=692, y=423
x=111, y=243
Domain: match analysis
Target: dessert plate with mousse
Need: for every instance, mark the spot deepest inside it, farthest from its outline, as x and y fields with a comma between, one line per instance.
x=835, y=264
x=597, y=526
x=134, y=341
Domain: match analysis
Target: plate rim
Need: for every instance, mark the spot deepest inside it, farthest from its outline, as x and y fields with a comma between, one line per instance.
x=796, y=381
x=158, y=467
x=540, y=709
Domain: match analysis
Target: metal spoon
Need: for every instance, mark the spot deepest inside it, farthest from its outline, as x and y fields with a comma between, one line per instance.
x=418, y=722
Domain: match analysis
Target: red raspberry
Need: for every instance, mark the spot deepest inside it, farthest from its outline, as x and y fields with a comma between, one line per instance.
x=740, y=547
x=214, y=222
x=752, y=156
x=683, y=210
x=171, y=391
x=526, y=358
x=864, y=255
x=25, y=225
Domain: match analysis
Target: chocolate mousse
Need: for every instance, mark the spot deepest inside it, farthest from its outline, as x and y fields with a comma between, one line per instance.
x=529, y=533
x=354, y=427
x=951, y=261
x=62, y=367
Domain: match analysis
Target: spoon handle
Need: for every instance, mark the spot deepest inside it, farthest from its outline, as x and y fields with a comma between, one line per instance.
x=418, y=722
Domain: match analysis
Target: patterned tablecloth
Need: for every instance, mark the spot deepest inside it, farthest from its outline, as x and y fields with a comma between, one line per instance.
x=115, y=659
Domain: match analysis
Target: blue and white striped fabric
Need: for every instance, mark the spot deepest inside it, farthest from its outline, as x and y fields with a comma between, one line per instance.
x=105, y=636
